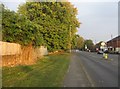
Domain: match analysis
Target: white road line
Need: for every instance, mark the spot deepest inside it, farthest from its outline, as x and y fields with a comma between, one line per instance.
x=88, y=77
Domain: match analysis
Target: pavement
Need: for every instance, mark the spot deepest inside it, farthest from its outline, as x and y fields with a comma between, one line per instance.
x=89, y=69
x=76, y=75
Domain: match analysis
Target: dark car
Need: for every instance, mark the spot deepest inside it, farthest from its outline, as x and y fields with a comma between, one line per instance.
x=100, y=52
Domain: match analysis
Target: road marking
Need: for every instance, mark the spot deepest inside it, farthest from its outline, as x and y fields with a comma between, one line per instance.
x=88, y=77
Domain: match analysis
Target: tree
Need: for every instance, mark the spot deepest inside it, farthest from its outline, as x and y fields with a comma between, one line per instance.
x=80, y=42
x=55, y=18
x=17, y=28
x=77, y=42
x=89, y=43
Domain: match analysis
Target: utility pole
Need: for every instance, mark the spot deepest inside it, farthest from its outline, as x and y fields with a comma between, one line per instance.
x=111, y=42
x=70, y=38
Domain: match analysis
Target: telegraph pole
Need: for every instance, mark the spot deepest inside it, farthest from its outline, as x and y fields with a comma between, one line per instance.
x=111, y=43
x=70, y=38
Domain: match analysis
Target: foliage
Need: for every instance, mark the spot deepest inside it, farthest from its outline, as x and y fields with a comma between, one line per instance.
x=53, y=24
x=80, y=42
x=55, y=18
x=17, y=28
x=89, y=43
x=77, y=42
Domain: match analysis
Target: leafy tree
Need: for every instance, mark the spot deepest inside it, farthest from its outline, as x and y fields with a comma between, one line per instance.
x=1, y=8
x=41, y=23
x=17, y=28
x=80, y=42
x=55, y=18
x=77, y=42
x=89, y=43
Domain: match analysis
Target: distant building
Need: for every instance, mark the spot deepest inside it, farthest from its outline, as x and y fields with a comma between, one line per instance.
x=114, y=44
x=101, y=46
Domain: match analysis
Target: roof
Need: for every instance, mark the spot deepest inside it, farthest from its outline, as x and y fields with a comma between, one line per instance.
x=114, y=39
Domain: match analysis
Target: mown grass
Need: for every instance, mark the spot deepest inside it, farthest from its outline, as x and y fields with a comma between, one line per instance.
x=47, y=72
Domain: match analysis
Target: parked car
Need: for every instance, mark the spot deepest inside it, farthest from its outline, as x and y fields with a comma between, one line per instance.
x=100, y=52
x=106, y=51
x=117, y=52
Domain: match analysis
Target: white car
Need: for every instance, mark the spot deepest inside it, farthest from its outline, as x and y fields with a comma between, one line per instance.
x=76, y=50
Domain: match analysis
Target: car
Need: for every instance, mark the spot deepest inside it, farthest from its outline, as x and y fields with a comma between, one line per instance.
x=76, y=50
x=106, y=51
x=100, y=52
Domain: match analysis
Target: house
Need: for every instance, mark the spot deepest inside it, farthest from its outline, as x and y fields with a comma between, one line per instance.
x=114, y=45
x=101, y=46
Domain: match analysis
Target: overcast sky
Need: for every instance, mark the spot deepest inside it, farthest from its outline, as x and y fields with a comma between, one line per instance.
x=99, y=18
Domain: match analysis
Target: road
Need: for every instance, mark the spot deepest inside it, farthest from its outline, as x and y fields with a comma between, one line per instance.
x=89, y=69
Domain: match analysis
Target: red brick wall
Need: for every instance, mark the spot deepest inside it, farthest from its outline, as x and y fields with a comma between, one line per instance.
x=114, y=43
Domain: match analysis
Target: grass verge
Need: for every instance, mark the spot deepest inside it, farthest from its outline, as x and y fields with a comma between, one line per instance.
x=47, y=72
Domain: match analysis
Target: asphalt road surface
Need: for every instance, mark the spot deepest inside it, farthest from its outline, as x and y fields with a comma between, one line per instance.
x=89, y=69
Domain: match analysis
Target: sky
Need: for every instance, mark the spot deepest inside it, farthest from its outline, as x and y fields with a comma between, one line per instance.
x=99, y=18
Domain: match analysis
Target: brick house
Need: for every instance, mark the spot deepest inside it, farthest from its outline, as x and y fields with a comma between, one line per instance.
x=114, y=44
